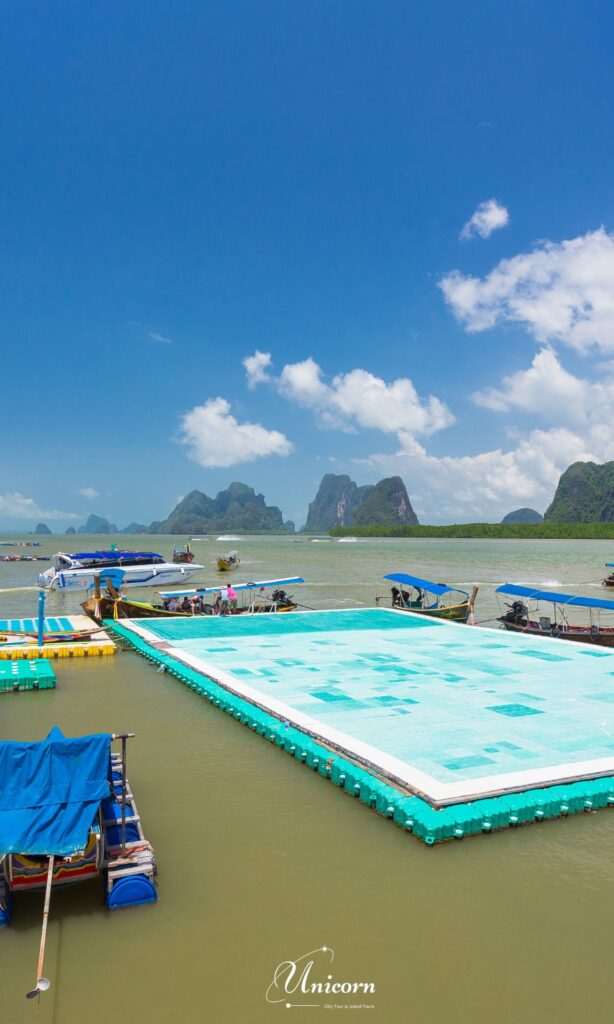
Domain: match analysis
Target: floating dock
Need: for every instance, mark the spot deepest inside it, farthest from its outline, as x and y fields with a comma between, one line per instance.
x=446, y=729
x=34, y=674
x=18, y=647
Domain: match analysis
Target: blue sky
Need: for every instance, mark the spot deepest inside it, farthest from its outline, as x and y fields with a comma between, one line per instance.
x=184, y=185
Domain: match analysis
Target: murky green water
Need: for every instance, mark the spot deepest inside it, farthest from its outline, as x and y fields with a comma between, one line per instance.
x=261, y=860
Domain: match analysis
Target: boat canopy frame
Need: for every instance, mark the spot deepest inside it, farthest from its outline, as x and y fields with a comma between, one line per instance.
x=255, y=585
x=439, y=589
x=535, y=594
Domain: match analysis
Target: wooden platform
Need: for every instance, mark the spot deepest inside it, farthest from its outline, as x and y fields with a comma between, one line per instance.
x=98, y=643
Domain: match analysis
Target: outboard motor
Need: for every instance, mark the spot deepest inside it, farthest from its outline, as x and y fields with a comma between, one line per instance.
x=518, y=612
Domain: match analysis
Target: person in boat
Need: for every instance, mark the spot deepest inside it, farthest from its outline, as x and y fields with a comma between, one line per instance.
x=396, y=597
x=232, y=598
x=186, y=605
x=224, y=601
x=406, y=596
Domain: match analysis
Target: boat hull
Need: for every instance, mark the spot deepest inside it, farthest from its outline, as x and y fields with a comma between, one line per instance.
x=103, y=608
x=27, y=873
x=581, y=634
x=451, y=613
x=158, y=576
x=223, y=565
x=100, y=608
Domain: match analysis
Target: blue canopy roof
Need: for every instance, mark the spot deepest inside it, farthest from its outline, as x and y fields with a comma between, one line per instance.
x=257, y=585
x=416, y=581
x=50, y=792
x=551, y=595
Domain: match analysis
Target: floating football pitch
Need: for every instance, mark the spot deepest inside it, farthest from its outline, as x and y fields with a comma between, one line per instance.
x=449, y=714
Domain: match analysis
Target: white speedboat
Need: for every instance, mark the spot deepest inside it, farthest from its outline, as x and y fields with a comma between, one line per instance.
x=125, y=568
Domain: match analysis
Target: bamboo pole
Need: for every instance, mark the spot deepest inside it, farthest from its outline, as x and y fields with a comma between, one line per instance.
x=43, y=984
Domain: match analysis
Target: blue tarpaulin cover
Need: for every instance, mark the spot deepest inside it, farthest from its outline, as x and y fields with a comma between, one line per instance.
x=50, y=792
x=513, y=590
x=416, y=581
x=125, y=555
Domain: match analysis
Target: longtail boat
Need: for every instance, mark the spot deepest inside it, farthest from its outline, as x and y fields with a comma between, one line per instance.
x=68, y=815
x=437, y=600
x=183, y=556
x=170, y=604
x=520, y=618
x=609, y=580
x=226, y=563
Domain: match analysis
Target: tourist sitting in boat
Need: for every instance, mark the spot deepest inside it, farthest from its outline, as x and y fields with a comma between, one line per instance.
x=232, y=598
x=403, y=599
x=438, y=600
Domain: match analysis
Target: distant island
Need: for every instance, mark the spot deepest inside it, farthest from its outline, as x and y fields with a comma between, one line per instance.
x=582, y=507
x=340, y=502
x=96, y=525
x=585, y=494
x=523, y=515
x=238, y=509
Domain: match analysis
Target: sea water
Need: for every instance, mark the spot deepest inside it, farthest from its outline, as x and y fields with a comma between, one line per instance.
x=262, y=861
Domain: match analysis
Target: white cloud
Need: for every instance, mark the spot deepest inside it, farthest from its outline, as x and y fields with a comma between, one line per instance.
x=156, y=336
x=216, y=438
x=17, y=506
x=88, y=492
x=488, y=217
x=560, y=292
x=359, y=399
x=547, y=389
x=256, y=368
x=489, y=484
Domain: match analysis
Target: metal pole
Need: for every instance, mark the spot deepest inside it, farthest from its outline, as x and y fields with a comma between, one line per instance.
x=41, y=617
x=123, y=795
x=43, y=984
